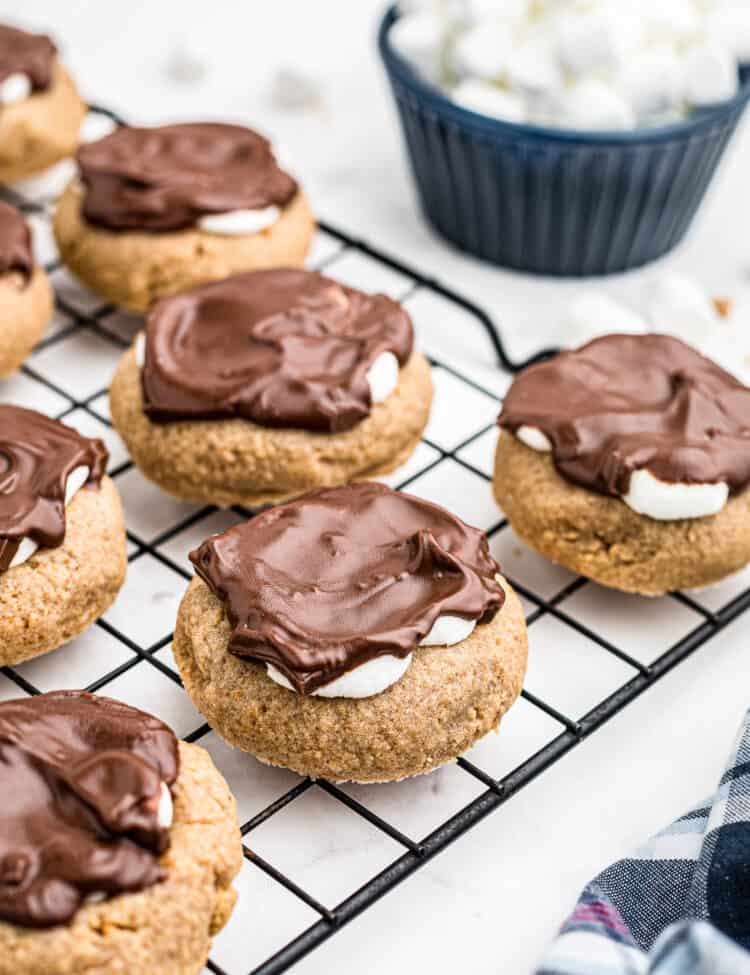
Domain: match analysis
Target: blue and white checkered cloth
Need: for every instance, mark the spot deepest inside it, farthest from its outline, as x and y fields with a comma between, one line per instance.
x=681, y=904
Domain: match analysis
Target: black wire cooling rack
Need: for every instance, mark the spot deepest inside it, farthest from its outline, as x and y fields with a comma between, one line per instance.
x=701, y=619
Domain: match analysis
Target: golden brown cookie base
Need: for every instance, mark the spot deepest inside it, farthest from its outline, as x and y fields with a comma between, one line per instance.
x=134, y=269
x=227, y=462
x=25, y=311
x=448, y=699
x=605, y=540
x=166, y=929
x=41, y=130
x=59, y=592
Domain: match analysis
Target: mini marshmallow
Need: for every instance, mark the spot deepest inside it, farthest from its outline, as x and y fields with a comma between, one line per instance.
x=533, y=67
x=647, y=495
x=419, y=38
x=592, y=104
x=479, y=96
x=592, y=314
x=730, y=26
x=535, y=438
x=240, y=223
x=15, y=88
x=597, y=42
x=677, y=306
x=711, y=74
x=654, y=83
x=670, y=21
x=483, y=51
x=514, y=12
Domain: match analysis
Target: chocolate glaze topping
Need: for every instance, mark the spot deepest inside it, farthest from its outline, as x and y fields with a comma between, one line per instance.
x=323, y=584
x=15, y=242
x=166, y=178
x=283, y=348
x=81, y=782
x=36, y=456
x=29, y=54
x=627, y=402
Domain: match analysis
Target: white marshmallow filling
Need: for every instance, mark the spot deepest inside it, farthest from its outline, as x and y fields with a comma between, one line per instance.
x=647, y=494
x=379, y=674
x=383, y=374
x=76, y=479
x=15, y=88
x=240, y=223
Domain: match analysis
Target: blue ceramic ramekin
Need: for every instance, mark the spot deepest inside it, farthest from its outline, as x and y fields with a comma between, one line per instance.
x=555, y=201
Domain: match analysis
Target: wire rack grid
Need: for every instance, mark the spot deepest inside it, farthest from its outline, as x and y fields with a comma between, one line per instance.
x=608, y=648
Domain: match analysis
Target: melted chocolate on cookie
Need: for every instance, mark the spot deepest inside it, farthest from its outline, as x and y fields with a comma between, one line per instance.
x=15, y=242
x=81, y=780
x=166, y=178
x=321, y=585
x=627, y=402
x=37, y=455
x=283, y=348
x=29, y=54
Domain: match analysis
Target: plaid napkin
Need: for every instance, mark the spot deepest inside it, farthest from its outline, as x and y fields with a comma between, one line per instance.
x=678, y=906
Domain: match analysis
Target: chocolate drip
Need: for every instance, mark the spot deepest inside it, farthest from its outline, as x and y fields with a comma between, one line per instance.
x=82, y=780
x=166, y=178
x=15, y=242
x=627, y=402
x=37, y=455
x=29, y=54
x=341, y=576
x=283, y=348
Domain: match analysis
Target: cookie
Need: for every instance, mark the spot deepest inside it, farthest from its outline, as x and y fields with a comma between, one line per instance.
x=158, y=211
x=260, y=387
x=628, y=461
x=356, y=634
x=40, y=109
x=62, y=535
x=26, y=300
x=136, y=877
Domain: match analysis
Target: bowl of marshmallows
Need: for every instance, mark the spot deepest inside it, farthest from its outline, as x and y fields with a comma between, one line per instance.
x=568, y=137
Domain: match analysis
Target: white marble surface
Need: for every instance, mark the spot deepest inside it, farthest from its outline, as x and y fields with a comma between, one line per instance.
x=493, y=900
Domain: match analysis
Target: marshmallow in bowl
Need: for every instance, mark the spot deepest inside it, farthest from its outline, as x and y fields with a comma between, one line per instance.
x=596, y=43
x=654, y=83
x=478, y=96
x=597, y=65
x=419, y=38
x=730, y=26
x=483, y=51
x=671, y=21
x=711, y=72
x=534, y=69
x=592, y=104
